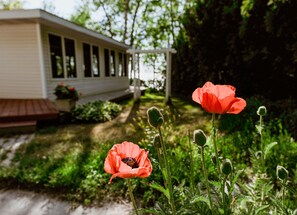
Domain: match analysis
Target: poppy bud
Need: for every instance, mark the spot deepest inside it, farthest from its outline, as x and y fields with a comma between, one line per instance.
x=199, y=137
x=281, y=172
x=155, y=118
x=226, y=167
x=262, y=111
x=157, y=141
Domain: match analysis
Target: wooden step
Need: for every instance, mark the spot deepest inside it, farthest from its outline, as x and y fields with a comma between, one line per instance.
x=20, y=127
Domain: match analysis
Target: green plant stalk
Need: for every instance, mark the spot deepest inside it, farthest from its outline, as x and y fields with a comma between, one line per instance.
x=132, y=196
x=214, y=142
x=191, y=164
x=206, y=178
x=223, y=193
x=283, y=194
x=169, y=182
x=262, y=143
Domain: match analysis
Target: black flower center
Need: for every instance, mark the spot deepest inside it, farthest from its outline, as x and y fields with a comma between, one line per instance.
x=130, y=162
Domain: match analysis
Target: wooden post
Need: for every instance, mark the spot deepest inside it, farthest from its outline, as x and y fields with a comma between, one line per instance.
x=134, y=72
x=168, y=76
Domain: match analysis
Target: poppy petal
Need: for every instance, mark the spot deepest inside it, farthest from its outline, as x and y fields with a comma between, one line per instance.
x=237, y=106
x=197, y=95
x=210, y=103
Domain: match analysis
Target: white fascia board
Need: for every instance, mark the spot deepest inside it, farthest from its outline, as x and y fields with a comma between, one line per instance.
x=152, y=51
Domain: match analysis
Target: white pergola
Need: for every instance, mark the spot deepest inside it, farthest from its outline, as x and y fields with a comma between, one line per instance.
x=167, y=51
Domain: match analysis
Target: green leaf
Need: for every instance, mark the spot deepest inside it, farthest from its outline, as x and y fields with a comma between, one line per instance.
x=262, y=208
x=161, y=189
x=238, y=173
x=200, y=199
x=268, y=149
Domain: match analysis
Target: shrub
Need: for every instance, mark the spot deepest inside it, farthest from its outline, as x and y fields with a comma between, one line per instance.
x=66, y=92
x=97, y=111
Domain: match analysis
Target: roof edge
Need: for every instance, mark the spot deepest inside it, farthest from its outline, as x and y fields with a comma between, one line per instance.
x=49, y=17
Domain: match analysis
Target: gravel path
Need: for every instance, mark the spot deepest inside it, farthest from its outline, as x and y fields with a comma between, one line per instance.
x=19, y=202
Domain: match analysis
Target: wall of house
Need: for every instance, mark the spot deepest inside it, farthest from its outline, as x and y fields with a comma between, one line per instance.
x=86, y=86
x=19, y=61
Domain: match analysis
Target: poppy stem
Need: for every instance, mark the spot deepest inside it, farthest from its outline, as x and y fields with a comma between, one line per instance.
x=223, y=193
x=191, y=164
x=262, y=144
x=214, y=142
x=132, y=196
x=168, y=174
x=206, y=177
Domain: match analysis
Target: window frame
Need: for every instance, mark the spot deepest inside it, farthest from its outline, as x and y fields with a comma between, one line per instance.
x=63, y=50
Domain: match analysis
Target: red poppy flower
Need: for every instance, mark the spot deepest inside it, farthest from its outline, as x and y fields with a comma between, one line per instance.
x=218, y=99
x=127, y=160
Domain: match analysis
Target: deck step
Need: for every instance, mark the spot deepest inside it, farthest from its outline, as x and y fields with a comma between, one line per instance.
x=20, y=127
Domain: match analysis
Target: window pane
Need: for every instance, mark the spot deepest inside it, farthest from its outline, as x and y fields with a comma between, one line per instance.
x=87, y=60
x=95, y=63
x=56, y=56
x=106, y=62
x=120, y=64
x=125, y=65
x=70, y=58
x=112, y=63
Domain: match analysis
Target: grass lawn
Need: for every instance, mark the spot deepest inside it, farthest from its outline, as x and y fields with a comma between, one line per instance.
x=68, y=159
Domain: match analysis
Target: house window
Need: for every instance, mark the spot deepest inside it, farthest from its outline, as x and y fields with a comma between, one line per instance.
x=95, y=61
x=56, y=56
x=106, y=62
x=70, y=58
x=120, y=64
x=112, y=63
x=125, y=65
x=87, y=60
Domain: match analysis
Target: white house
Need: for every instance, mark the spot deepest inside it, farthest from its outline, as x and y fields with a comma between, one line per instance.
x=39, y=50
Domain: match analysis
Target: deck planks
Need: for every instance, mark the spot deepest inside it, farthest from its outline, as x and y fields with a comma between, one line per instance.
x=13, y=110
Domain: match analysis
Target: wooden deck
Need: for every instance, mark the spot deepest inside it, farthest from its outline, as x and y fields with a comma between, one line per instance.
x=26, y=110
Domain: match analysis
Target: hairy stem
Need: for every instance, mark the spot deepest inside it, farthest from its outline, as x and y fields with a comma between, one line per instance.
x=214, y=142
x=206, y=177
x=168, y=173
x=132, y=196
x=191, y=164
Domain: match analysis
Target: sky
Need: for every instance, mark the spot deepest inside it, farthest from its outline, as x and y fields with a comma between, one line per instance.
x=62, y=8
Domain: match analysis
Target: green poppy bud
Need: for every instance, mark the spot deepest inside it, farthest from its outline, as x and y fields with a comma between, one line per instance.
x=281, y=172
x=155, y=118
x=226, y=167
x=157, y=141
x=199, y=137
x=262, y=111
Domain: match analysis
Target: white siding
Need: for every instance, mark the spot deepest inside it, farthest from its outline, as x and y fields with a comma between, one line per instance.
x=19, y=61
x=86, y=86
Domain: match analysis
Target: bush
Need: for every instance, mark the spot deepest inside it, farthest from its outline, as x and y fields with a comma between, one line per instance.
x=98, y=111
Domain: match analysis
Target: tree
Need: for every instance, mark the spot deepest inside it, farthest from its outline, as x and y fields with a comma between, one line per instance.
x=11, y=4
x=250, y=44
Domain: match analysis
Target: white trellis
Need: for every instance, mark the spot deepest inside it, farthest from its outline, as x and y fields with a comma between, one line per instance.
x=135, y=62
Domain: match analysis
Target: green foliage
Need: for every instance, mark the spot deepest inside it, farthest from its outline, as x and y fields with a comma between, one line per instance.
x=98, y=111
x=249, y=43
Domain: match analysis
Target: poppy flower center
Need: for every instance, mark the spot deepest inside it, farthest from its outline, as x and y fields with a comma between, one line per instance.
x=130, y=162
